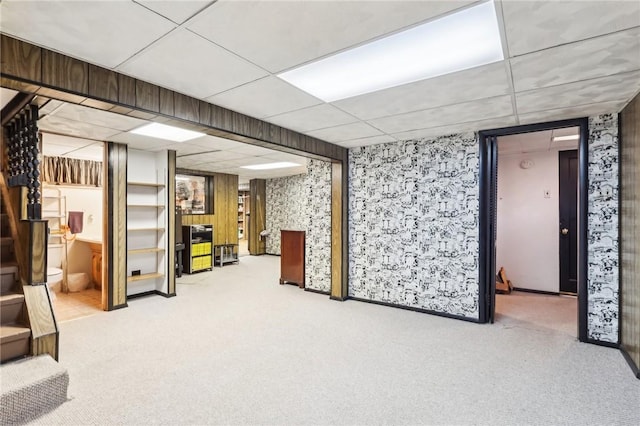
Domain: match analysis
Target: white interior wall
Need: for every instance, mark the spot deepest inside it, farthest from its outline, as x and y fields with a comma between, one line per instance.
x=528, y=216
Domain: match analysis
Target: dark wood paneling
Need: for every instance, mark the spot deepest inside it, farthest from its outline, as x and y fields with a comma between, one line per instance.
x=38, y=257
x=257, y=221
x=171, y=229
x=116, y=226
x=147, y=96
x=103, y=84
x=20, y=59
x=126, y=90
x=166, y=102
x=339, y=248
x=232, y=209
x=186, y=107
x=66, y=73
x=205, y=113
x=630, y=230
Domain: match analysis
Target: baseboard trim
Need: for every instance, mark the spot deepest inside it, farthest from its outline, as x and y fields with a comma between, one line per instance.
x=313, y=290
x=420, y=310
x=151, y=293
x=529, y=290
x=634, y=367
x=116, y=307
x=339, y=299
x=602, y=343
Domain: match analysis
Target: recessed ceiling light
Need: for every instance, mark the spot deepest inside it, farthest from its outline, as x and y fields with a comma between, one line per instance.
x=269, y=166
x=456, y=42
x=566, y=138
x=170, y=133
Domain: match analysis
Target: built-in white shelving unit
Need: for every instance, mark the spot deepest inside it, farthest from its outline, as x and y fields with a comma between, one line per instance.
x=147, y=219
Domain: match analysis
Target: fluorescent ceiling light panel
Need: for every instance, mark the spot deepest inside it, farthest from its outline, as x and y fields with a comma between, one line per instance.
x=463, y=40
x=170, y=133
x=270, y=166
x=566, y=138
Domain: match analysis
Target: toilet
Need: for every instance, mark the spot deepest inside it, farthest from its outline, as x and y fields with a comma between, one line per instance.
x=54, y=271
x=54, y=279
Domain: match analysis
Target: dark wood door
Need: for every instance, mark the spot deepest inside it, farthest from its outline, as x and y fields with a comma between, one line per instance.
x=568, y=229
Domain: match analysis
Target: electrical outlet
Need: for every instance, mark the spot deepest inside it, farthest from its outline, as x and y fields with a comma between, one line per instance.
x=547, y=193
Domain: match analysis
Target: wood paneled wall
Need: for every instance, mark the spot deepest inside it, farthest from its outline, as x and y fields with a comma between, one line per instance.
x=171, y=208
x=339, y=247
x=33, y=69
x=630, y=232
x=225, y=208
x=115, y=227
x=258, y=216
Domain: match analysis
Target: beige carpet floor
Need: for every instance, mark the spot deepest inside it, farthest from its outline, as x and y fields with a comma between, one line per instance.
x=234, y=347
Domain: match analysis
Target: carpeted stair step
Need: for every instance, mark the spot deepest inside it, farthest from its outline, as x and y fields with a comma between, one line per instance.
x=14, y=342
x=8, y=277
x=4, y=225
x=6, y=249
x=10, y=308
x=31, y=387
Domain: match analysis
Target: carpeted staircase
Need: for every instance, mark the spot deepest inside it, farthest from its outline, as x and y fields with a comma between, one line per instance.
x=14, y=331
x=30, y=386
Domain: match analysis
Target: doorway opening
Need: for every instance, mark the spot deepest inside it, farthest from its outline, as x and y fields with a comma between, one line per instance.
x=72, y=203
x=533, y=226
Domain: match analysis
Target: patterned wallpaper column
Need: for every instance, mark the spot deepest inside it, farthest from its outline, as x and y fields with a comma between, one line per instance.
x=602, y=233
x=303, y=203
x=413, y=224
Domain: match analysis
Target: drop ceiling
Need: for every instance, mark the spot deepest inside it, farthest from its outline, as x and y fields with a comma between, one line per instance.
x=525, y=143
x=563, y=59
x=77, y=131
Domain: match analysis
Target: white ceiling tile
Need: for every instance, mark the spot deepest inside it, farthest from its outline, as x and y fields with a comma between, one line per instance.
x=473, y=126
x=6, y=95
x=537, y=25
x=374, y=140
x=617, y=87
x=75, y=128
x=469, y=111
x=93, y=152
x=218, y=156
x=572, y=112
x=265, y=97
x=598, y=57
x=345, y=132
x=524, y=141
x=247, y=149
x=105, y=33
x=177, y=11
x=50, y=107
x=184, y=148
x=285, y=156
x=279, y=35
x=566, y=131
x=65, y=142
x=476, y=83
x=98, y=117
x=213, y=142
x=313, y=118
x=189, y=64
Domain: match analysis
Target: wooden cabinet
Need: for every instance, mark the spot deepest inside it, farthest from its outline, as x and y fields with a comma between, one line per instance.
x=198, y=240
x=292, y=257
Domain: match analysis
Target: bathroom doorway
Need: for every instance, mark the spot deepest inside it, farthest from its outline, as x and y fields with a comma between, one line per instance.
x=72, y=202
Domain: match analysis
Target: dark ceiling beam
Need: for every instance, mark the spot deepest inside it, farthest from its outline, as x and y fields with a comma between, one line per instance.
x=14, y=106
x=36, y=70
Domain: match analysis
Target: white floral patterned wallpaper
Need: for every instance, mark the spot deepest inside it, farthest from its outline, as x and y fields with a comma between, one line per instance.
x=303, y=203
x=602, y=231
x=413, y=225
